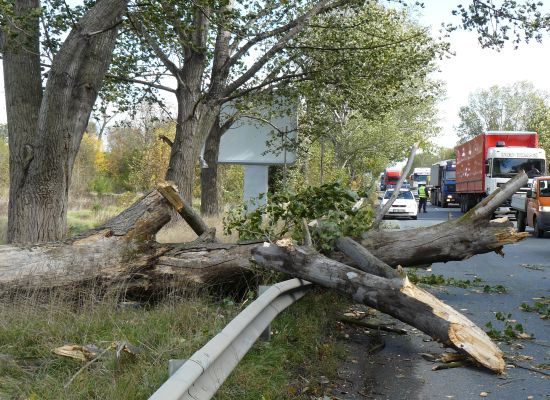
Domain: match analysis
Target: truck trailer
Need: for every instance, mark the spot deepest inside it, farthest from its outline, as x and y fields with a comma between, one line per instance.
x=442, y=177
x=489, y=160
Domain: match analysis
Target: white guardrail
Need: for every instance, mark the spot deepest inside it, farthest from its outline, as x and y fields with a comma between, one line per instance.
x=201, y=375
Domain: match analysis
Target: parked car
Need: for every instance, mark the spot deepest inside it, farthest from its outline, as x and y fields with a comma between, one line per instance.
x=404, y=205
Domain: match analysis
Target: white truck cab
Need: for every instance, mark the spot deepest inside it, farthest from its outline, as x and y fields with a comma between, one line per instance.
x=503, y=163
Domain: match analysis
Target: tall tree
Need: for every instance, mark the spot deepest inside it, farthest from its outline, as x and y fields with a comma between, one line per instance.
x=513, y=107
x=215, y=51
x=45, y=125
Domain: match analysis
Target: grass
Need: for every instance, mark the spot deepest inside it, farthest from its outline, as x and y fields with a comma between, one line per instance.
x=30, y=328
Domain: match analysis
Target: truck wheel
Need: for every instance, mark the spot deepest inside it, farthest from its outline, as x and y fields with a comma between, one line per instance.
x=520, y=216
x=444, y=204
x=538, y=232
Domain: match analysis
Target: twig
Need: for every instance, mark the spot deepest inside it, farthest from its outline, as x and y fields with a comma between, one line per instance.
x=359, y=322
x=529, y=368
x=377, y=347
x=454, y=364
x=85, y=366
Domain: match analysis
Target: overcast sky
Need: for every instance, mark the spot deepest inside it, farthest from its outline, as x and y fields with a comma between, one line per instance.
x=470, y=69
x=475, y=68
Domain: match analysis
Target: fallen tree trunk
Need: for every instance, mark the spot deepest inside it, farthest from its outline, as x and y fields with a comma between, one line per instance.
x=124, y=248
x=397, y=297
x=123, y=252
x=473, y=233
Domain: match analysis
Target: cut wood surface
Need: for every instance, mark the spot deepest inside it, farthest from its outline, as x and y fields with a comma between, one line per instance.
x=396, y=297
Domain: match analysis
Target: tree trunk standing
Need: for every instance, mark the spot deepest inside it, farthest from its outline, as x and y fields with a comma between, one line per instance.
x=38, y=201
x=194, y=119
x=23, y=86
x=210, y=193
x=181, y=167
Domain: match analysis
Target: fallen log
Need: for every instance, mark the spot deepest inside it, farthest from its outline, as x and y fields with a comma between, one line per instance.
x=396, y=297
x=124, y=250
x=473, y=233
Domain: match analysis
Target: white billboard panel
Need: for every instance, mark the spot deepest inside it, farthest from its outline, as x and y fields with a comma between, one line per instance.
x=258, y=137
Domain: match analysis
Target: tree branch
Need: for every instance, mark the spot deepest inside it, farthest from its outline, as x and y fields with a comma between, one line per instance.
x=140, y=28
x=384, y=209
x=292, y=29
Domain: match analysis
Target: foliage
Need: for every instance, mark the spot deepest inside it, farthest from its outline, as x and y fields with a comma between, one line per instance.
x=499, y=289
x=330, y=205
x=137, y=158
x=377, y=99
x=499, y=22
x=89, y=166
x=541, y=306
x=441, y=280
x=510, y=331
x=231, y=178
x=510, y=108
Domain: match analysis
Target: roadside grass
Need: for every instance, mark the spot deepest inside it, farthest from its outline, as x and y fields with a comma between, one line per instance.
x=31, y=326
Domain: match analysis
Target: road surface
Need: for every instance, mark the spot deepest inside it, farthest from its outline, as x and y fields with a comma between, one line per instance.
x=399, y=372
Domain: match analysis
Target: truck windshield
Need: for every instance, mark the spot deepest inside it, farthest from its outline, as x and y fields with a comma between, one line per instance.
x=420, y=178
x=508, y=167
x=544, y=188
x=450, y=174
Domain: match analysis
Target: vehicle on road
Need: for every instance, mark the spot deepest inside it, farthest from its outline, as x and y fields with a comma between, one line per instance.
x=404, y=206
x=442, y=177
x=533, y=208
x=419, y=176
x=391, y=177
x=491, y=159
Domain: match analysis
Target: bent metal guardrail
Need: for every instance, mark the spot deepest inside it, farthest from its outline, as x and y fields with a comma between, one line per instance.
x=200, y=376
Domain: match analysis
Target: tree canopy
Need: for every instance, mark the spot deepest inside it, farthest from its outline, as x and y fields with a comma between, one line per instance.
x=513, y=107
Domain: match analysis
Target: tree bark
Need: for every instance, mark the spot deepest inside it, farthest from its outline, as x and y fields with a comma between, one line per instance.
x=397, y=297
x=128, y=233
x=473, y=233
x=46, y=153
x=210, y=194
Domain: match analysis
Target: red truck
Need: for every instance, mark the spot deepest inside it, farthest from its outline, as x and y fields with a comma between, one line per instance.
x=391, y=177
x=489, y=160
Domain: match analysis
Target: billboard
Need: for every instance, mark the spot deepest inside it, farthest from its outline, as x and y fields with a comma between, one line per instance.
x=261, y=136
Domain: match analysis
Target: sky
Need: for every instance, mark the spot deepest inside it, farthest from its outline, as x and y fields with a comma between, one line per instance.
x=474, y=68
x=471, y=68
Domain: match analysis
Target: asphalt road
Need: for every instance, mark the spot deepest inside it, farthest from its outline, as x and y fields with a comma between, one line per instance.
x=399, y=372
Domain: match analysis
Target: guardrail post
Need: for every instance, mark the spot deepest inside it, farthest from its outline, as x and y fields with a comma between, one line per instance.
x=266, y=334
